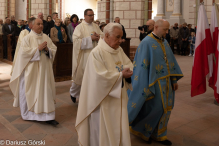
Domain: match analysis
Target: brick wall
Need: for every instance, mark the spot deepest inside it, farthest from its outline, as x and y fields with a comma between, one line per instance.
x=3, y=9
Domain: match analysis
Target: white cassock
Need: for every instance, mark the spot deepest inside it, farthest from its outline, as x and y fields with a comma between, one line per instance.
x=20, y=38
x=102, y=117
x=32, y=82
x=82, y=46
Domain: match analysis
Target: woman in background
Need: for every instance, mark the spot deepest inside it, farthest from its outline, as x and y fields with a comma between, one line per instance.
x=71, y=27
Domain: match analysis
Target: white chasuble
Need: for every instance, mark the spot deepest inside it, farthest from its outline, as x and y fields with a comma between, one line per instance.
x=39, y=81
x=82, y=46
x=20, y=38
x=103, y=98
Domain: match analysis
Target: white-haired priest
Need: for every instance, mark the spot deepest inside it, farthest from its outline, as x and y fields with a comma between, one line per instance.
x=32, y=82
x=102, y=117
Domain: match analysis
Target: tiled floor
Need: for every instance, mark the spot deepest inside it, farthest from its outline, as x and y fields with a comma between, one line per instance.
x=193, y=122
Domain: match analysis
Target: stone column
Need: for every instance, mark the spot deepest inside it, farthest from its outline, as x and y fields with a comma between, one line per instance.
x=176, y=8
x=160, y=10
x=176, y=16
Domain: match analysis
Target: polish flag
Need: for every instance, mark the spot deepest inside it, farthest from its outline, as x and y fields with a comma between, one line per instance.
x=203, y=48
x=213, y=82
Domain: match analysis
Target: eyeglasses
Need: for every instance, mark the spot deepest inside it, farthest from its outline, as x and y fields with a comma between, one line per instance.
x=91, y=15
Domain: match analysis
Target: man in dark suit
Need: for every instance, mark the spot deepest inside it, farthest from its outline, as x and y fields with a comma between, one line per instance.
x=13, y=20
x=183, y=38
x=19, y=27
x=46, y=27
x=117, y=20
x=8, y=30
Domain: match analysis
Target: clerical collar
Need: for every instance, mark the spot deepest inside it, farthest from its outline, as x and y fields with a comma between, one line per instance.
x=37, y=33
x=156, y=36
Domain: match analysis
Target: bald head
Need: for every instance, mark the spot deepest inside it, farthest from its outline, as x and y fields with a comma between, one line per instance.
x=37, y=25
x=150, y=24
x=161, y=28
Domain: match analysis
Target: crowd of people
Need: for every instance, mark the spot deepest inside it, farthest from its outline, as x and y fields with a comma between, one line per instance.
x=117, y=96
x=58, y=30
x=183, y=37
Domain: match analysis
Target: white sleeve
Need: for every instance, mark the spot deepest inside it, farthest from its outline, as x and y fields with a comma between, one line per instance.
x=116, y=91
x=86, y=43
x=36, y=56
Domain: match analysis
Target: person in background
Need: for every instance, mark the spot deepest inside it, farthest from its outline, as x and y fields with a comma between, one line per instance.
x=19, y=27
x=143, y=34
x=8, y=30
x=46, y=28
x=57, y=33
x=117, y=20
x=102, y=25
x=191, y=29
x=13, y=20
x=97, y=22
x=1, y=25
x=71, y=27
x=183, y=37
x=174, y=34
x=49, y=18
x=192, y=43
x=54, y=16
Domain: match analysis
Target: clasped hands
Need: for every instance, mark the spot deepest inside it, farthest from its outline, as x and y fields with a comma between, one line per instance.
x=43, y=46
x=127, y=73
x=95, y=37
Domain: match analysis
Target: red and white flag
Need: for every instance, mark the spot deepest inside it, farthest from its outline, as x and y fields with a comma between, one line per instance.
x=203, y=48
x=214, y=34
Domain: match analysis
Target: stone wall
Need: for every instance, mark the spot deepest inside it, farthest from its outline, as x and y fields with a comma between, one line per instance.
x=3, y=9
x=42, y=6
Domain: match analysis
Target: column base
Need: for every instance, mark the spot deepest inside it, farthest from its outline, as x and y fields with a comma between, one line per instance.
x=176, y=18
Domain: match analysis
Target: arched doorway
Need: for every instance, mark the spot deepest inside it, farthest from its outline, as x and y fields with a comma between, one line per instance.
x=78, y=7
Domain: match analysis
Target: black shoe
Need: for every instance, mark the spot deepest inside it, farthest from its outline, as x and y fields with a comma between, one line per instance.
x=165, y=142
x=52, y=122
x=73, y=99
x=149, y=141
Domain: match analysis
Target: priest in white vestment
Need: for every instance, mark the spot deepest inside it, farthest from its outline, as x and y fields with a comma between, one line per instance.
x=102, y=118
x=85, y=38
x=32, y=82
x=20, y=38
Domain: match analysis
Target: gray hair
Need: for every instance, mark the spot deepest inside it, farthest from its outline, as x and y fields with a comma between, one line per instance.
x=110, y=27
x=31, y=20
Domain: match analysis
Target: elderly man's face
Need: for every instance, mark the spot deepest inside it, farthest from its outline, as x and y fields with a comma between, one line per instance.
x=89, y=17
x=38, y=26
x=40, y=15
x=117, y=20
x=115, y=39
x=176, y=25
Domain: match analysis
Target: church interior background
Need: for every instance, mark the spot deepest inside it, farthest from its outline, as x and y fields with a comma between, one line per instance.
x=132, y=13
x=193, y=122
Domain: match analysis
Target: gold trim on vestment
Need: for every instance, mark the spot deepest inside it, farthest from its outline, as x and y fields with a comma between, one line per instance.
x=162, y=130
x=159, y=138
x=165, y=77
x=95, y=109
x=150, y=98
x=139, y=134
